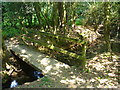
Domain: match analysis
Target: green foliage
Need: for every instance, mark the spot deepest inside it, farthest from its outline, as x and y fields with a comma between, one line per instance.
x=45, y=81
x=4, y=78
x=79, y=21
x=16, y=13
x=46, y=15
x=10, y=32
x=95, y=14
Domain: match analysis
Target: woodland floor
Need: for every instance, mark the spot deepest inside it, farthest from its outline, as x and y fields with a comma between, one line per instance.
x=100, y=72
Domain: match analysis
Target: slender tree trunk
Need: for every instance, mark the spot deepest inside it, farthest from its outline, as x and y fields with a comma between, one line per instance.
x=64, y=19
x=30, y=19
x=60, y=11
x=106, y=26
x=35, y=20
x=73, y=14
x=53, y=16
x=37, y=11
x=61, y=14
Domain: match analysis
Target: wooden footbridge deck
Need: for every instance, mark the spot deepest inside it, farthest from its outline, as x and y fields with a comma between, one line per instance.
x=37, y=59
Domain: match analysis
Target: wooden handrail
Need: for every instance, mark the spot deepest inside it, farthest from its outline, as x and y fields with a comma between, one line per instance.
x=80, y=41
x=55, y=48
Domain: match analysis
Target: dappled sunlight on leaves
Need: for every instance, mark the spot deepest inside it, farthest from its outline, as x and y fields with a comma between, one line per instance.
x=88, y=33
x=101, y=65
x=111, y=74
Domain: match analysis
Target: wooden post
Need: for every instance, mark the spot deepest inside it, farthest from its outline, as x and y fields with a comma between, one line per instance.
x=83, y=61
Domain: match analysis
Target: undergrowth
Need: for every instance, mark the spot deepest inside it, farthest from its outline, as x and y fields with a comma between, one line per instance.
x=11, y=32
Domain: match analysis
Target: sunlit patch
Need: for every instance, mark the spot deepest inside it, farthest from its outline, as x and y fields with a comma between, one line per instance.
x=72, y=86
x=29, y=55
x=48, y=68
x=64, y=81
x=47, y=56
x=45, y=61
x=92, y=80
x=8, y=66
x=111, y=74
x=107, y=63
x=103, y=80
x=23, y=51
x=38, y=38
x=77, y=79
x=14, y=45
x=24, y=56
x=72, y=54
x=27, y=83
x=58, y=65
x=71, y=72
x=38, y=60
x=48, y=42
x=98, y=66
x=81, y=80
x=24, y=59
x=52, y=46
x=71, y=81
x=54, y=73
x=95, y=58
x=11, y=38
x=88, y=33
x=73, y=76
x=39, y=55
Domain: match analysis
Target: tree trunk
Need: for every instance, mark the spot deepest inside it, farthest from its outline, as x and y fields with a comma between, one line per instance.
x=35, y=4
x=106, y=26
x=30, y=19
x=61, y=13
